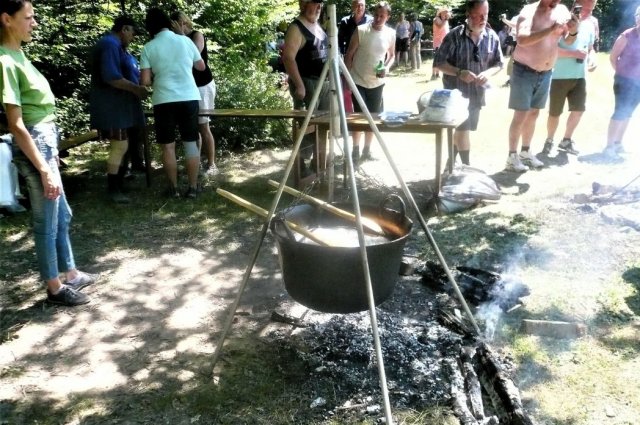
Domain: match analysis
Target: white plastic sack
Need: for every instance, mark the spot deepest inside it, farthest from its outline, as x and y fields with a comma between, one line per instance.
x=443, y=106
x=8, y=174
x=465, y=188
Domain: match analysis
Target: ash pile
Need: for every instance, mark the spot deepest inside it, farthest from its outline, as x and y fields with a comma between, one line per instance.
x=431, y=356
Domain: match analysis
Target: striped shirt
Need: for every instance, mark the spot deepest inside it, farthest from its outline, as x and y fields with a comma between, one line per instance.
x=459, y=50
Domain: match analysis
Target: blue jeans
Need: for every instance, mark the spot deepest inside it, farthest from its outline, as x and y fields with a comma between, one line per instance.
x=50, y=218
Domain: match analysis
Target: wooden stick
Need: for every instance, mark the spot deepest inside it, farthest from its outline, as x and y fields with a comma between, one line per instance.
x=264, y=213
x=367, y=223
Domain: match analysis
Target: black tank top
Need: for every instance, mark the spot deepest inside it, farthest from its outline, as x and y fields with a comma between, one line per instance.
x=311, y=58
x=202, y=77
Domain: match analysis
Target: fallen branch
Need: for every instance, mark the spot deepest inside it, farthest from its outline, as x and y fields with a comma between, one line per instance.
x=289, y=320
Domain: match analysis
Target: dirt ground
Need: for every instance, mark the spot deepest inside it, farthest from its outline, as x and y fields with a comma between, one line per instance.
x=154, y=312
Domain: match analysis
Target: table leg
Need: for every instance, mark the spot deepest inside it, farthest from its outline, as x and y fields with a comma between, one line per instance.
x=450, y=149
x=146, y=149
x=297, y=172
x=438, y=161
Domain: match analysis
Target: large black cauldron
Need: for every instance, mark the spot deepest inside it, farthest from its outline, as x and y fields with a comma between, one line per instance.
x=331, y=279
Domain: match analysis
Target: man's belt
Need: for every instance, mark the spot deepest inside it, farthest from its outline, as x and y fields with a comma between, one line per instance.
x=529, y=69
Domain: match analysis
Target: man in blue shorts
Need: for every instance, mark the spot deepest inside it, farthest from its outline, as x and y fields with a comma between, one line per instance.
x=114, y=102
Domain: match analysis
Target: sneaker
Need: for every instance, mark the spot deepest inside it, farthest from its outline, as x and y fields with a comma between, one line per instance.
x=610, y=153
x=548, y=145
x=191, y=193
x=67, y=296
x=82, y=280
x=569, y=146
x=355, y=156
x=514, y=164
x=211, y=171
x=172, y=192
x=366, y=155
x=530, y=159
x=619, y=148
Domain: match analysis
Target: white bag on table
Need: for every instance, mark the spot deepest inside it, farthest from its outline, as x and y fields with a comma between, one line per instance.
x=442, y=105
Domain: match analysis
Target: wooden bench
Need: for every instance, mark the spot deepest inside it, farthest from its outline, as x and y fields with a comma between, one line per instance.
x=297, y=115
x=75, y=141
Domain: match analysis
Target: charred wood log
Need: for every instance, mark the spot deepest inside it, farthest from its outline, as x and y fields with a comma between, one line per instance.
x=287, y=319
x=471, y=384
x=461, y=401
x=478, y=286
x=455, y=322
x=458, y=396
x=503, y=393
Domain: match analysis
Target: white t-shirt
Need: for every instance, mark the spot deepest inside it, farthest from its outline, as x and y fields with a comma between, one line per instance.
x=372, y=48
x=171, y=57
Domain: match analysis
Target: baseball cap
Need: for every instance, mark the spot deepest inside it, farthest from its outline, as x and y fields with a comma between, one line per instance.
x=124, y=20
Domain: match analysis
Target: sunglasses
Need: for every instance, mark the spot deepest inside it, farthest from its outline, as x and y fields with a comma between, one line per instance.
x=476, y=53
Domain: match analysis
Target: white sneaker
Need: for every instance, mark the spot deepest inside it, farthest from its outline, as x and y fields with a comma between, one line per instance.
x=212, y=171
x=514, y=164
x=611, y=153
x=530, y=159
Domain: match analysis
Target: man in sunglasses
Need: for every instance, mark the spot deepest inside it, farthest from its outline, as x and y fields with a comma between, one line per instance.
x=469, y=54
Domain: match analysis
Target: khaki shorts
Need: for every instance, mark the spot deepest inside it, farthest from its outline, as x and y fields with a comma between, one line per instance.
x=574, y=90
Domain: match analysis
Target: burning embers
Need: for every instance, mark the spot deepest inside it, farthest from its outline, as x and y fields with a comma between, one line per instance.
x=428, y=361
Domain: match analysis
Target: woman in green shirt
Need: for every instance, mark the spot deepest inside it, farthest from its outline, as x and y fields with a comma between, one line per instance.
x=30, y=108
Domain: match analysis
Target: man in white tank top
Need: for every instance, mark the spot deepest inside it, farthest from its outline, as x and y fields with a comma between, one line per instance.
x=370, y=55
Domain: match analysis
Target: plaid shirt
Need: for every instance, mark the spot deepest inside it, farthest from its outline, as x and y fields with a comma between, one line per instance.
x=459, y=50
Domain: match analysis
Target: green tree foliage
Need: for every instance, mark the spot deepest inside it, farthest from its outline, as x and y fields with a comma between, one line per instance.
x=237, y=32
x=614, y=16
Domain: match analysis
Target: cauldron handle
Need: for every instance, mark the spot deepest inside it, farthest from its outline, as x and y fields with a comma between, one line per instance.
x=280, y=225
x=398, y=216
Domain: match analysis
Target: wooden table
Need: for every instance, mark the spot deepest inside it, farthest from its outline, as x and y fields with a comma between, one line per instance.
x=358, y=122
x=298, y=115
